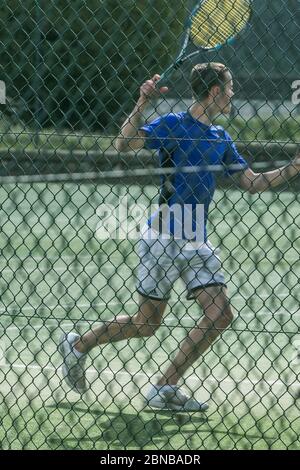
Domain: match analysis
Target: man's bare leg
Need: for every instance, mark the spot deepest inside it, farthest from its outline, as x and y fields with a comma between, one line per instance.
x=73, y=348
x=217, y=317
x=144, y=323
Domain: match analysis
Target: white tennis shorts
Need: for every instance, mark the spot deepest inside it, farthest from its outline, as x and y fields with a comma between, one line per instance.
x=163, y=261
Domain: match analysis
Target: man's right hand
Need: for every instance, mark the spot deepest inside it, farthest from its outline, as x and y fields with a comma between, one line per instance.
x=148, y=90
x=131, y=137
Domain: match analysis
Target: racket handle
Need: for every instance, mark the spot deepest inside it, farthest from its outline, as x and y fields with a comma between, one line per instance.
x=167, y=72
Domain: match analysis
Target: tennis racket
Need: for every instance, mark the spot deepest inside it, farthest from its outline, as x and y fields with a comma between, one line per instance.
x=212, y=24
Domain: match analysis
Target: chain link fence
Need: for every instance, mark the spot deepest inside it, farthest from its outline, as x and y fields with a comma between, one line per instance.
x=72, y=209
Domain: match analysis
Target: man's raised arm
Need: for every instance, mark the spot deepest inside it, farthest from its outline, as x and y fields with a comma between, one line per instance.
x=130, y=137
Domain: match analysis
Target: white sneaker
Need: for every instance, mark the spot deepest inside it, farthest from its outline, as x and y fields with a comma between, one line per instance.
x=169, y=397
x=73, y=368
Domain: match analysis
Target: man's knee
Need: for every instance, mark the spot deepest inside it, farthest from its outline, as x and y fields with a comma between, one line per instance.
x=146, y=327
x=227, y=315
x=221, y=316
x=148, y=318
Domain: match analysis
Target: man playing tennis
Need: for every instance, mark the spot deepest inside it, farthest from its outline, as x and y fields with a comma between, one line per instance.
x=185, y=139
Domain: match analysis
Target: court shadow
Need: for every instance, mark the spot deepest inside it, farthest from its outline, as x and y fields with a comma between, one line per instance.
x=115, y=429
x=128, y=429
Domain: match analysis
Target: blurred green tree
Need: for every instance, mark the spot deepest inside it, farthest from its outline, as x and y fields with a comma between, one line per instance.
x=78, y=65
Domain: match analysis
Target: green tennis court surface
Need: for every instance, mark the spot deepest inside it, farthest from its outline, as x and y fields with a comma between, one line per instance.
x=55, y=273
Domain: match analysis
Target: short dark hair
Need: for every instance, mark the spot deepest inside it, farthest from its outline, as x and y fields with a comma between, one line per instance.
x=205, y=76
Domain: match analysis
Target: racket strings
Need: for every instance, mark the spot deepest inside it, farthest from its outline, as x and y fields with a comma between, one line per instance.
x=217, y=21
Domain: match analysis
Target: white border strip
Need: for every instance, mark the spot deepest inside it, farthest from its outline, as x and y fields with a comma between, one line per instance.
x=147, y=378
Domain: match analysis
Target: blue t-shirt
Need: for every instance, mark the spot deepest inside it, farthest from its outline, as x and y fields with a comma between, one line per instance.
x=183, y=141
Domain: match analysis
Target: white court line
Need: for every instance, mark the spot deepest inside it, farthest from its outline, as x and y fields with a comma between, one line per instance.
x=171, y=322
x=67, y=268
x=53, y=270
x=109, y=372
x=283, y=313
x=51, y=260
x=21, y=262
x=109, y=305
x=259, y=296
x=114, y=303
